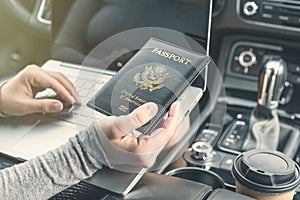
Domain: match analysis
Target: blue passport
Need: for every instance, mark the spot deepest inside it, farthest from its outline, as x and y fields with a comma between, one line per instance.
x=159, y=72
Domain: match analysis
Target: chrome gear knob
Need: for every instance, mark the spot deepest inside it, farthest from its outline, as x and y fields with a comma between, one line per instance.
x=271, y=82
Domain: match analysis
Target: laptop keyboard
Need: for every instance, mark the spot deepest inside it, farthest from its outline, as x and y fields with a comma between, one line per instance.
x=86, y=87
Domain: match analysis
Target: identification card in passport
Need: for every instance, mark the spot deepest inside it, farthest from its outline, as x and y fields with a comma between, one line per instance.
x=159, y=72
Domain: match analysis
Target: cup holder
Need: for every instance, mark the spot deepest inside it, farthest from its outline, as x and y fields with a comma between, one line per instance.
x=198, y=175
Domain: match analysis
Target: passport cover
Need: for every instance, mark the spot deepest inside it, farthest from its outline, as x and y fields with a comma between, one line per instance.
x=159, y=72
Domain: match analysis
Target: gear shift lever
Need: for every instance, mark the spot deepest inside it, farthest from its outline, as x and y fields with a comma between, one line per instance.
x=271, y=83
x=264, y=127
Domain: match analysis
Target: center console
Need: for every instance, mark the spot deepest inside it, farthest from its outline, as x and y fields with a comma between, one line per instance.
x=242, y=56
x=246, y=57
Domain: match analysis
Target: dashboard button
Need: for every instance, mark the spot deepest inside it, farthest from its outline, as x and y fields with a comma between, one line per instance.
x=267, y=16
x=268, y=8
x=250, y=8
x=283, y=18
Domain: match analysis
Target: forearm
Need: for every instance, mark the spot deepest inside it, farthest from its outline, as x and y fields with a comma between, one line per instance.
x=46, y=175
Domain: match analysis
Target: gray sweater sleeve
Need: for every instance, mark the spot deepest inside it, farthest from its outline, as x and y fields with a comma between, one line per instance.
x=47, y=175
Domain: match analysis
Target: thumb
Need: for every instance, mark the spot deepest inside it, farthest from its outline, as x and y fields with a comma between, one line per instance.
x=137, y=118
x=44, y=105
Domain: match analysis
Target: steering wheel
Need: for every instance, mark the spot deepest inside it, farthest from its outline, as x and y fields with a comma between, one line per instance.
x=34, y=19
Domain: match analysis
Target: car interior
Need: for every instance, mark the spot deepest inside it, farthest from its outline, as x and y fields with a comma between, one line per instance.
x=251, y=97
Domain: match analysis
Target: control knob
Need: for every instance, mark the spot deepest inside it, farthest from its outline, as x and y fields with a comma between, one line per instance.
x=246, y=59
x=250, y=8
x=201, y=151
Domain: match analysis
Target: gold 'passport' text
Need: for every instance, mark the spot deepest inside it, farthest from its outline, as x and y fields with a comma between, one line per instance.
x=171, y=56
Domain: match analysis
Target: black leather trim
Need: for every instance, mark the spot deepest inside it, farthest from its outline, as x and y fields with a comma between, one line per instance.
x=154, y=186
x=221, y=194
x=158, y=187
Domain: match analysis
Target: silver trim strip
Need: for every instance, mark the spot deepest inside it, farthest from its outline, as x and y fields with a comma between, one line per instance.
x=208, y=43
x=40, y=13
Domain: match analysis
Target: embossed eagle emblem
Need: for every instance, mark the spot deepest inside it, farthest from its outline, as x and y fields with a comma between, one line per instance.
x=152, y=78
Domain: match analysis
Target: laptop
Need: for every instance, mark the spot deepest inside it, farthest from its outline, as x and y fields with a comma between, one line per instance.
x=29, y=136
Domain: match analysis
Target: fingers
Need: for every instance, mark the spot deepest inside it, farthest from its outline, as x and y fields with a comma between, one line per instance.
x=49, y=82
x=161, y=136
x=43, y=105
x=174, y=115
x=45, y=79
x=66, y=83
x=137, y=118
x=158, y=139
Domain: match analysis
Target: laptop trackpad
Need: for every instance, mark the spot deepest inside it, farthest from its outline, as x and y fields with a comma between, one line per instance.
x=12, y=129
x=45, y=136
